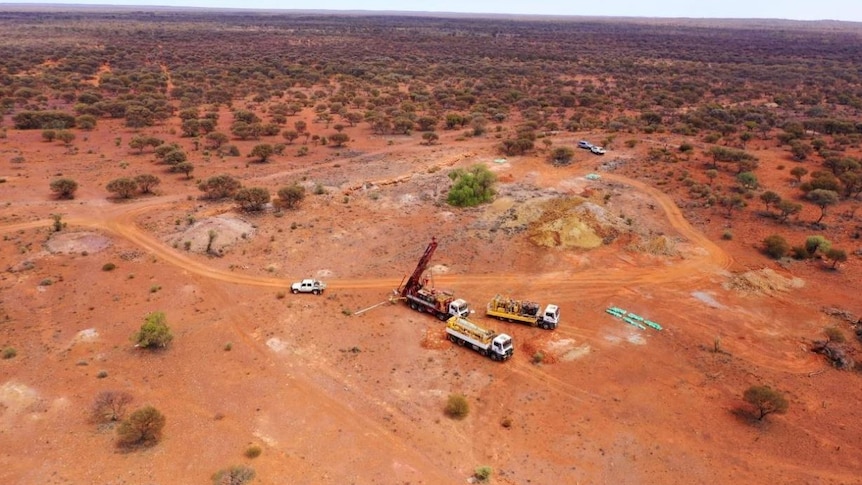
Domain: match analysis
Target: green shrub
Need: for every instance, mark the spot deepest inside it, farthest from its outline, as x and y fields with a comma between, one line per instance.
x=471, y=187
x=253, y=451
x=727, y=235
x=109, y=267
x=457, y=406
x=9, y=353
x=765, y=401
x=776, y=246
x=142, y=429
x=154, y=332
x=483, y=473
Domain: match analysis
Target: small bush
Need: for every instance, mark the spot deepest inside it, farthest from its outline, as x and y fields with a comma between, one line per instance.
x=727, y=235
x=102, y=374
x=765, y=400
x=142, y=429
x=538, y=357
x=235, y=475
x=776, y=246
x=9, y=353
x=109, y=267
x=483, y=473
x=109, y=406
x=154, y=332
x=228, y=347
x=253, y=451
x=457, y=406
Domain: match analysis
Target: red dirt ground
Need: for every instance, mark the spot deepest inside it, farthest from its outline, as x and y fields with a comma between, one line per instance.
x=338, y=398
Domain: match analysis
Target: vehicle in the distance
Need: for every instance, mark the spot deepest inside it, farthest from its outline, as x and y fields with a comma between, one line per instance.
x=308, y=286
x=597, y=150
x=585, y=144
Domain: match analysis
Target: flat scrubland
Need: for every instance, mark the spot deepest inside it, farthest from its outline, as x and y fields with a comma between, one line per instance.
x=184, y=167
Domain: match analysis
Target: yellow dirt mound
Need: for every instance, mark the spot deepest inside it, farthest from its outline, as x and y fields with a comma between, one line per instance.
x=561, y=224
x=763, y=281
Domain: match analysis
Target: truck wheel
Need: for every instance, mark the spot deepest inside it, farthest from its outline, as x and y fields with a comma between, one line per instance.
x=294, y=291
x=413, y=306
x=316, y=292
x=452, y=338
x=441, y=317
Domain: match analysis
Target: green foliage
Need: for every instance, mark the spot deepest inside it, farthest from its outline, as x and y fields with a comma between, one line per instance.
x=235, y=475
x=262, y=151
x=143, y=428
x=123, y=187
x=339, y=139
x=765, y=400
x=483, y=473
x=822, y=198
x=37, y=120
x=252, y=199
x=146, y=182
x=253, y=451
x=813, y=244
x=109, y=267
x=291, y=195
x=457, y=406
x=472, y=187
x=770, y=198
x=8, y=353
x=747, y=180
x=219, y=186
x=836, y=256
x=562, y=155
x=776, y=246
x=154, y=333
x=64, y=188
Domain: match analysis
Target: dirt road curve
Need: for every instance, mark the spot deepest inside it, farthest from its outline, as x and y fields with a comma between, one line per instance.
x=120, y=220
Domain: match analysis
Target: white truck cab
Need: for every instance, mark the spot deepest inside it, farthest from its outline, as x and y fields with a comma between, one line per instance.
x=459, y=308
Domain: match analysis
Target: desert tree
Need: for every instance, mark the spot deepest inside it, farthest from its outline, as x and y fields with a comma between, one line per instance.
x=769, y=198
x=123, y=187
x=765, y=401
x=184, y=167
x=219, y=186
x=290, y=135
x=430, y=137
x=822, y=198
x=146, y=182
x=216, y=140
x=143, y=428
x=262, y=151
x=109, y=406
x=787, y=208
x=711, y=174
x=339, y=139
x=798, y=173
x=291, y=195
x=732, y=203
x=836, y=256
x=154, y=332
x=252, y=199
x=64, y=188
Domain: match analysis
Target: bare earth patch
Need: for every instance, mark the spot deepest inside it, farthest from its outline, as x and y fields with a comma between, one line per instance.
x=77, y=243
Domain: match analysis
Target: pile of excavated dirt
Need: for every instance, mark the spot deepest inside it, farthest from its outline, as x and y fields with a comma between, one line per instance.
x=225, y=232
x=763, y=281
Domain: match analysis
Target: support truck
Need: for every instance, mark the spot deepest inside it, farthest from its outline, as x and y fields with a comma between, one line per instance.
x=523, y=311
x=422, y=298
x=497, y=346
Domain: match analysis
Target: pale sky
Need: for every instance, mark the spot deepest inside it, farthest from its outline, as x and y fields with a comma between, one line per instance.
x=849, y=10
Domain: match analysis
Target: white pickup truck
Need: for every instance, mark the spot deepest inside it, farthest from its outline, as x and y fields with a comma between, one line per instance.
x=308, y=286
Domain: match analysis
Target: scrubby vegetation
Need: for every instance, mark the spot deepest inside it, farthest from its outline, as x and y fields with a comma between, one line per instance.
x=457, y=406
x=154, y=333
